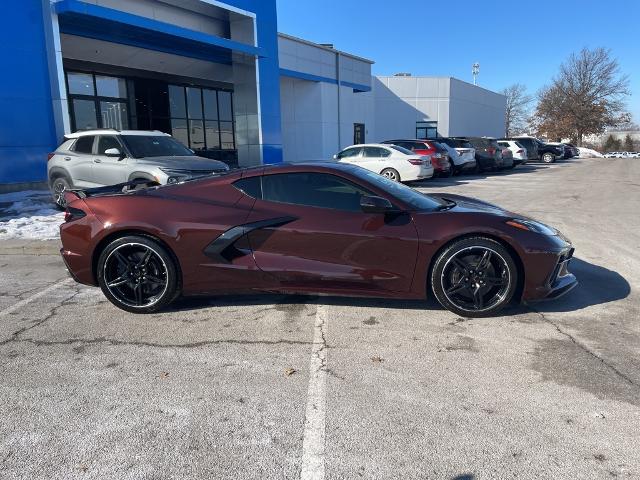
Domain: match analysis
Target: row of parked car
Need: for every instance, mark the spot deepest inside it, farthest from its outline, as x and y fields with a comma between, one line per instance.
x=417, y=159
x=96, y=158
x=621, y=155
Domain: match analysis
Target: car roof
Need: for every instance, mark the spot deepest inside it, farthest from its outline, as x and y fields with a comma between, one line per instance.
x=113, y=131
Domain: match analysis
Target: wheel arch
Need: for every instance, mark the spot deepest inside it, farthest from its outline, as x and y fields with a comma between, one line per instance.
x=141, y=175
x=57, y=172
x=514, y=254
x=102, y=244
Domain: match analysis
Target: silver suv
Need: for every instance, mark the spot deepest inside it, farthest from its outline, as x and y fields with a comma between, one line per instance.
x=95, y=158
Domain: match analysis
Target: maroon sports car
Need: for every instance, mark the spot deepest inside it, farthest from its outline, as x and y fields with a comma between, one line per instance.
x=308, y=228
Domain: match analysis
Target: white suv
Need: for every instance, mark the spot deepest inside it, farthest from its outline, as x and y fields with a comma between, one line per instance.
x=95, y=158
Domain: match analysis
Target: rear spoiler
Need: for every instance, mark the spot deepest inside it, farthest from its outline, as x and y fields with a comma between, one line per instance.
x=116, y=189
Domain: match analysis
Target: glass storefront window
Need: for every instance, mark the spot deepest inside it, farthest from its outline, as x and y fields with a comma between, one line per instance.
x=111, y=87
x=180, y=131
x=194, y=102
x=80, y=83
x=225, y=110
x=84, y=112
x=226, y=135
x=114, y=115
x=177, y=105
x=210, y=105
x=196, y=134
x=212, y=135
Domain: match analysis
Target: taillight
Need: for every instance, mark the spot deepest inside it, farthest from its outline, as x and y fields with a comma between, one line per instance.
x=415, y=161
x=491, y=150
x=50, y=156
x=72, y=214
x=520, y=151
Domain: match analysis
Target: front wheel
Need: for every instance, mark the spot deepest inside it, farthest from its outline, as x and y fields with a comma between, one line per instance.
x=548, y=158
x=474, y=277
x=138, y=275
x=391, y=174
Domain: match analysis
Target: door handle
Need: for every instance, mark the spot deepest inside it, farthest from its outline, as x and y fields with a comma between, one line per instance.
x=67, y=158
x=97, y=160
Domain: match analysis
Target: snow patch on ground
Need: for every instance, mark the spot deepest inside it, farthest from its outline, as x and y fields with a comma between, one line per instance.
x=588, y=153
x=30, y=215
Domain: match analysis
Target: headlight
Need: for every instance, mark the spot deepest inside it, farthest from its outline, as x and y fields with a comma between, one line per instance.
x=531, y=226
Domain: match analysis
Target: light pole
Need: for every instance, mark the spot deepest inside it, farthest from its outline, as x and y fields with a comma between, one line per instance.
x=475, y=70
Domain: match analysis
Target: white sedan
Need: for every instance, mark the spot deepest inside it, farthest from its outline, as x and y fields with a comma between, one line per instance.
x=520, y=153
x=395, y=163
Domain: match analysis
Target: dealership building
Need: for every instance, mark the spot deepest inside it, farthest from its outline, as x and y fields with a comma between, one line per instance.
x=216, y=75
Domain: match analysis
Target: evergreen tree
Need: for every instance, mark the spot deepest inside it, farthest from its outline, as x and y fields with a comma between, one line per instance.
x=610, y=144
x=628, y=143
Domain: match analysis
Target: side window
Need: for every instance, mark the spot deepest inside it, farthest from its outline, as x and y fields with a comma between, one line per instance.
x=107, y=142
x=84, y=144
x=249, y=186
x=372, y=152
x=349, y=152
x=384, y=152
x=313, y=190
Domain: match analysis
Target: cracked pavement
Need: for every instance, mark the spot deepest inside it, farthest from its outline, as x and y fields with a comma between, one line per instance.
x=550, y=390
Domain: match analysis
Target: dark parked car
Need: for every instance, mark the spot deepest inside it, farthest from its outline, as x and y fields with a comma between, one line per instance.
x=530, y=144
x=442, y=165
x=488, y=152
x=571, y=151
x=329, y=228
x=549, y=153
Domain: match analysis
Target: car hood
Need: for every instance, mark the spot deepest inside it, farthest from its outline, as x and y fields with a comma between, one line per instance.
x=187, y=162
x=468, y=204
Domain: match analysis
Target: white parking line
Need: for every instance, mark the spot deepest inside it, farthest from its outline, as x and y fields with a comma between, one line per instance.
x=33, y=297
x=313, y=442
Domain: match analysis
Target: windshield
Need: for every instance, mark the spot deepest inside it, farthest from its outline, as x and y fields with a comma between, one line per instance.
x=408, y=195
x=142, y=146
x=402, y=150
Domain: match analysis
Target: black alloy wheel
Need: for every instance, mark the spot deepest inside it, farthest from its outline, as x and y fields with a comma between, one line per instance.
x=474, y=277
x=137, y=274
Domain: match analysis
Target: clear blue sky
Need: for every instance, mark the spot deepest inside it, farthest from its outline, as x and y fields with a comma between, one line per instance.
x=513, y=41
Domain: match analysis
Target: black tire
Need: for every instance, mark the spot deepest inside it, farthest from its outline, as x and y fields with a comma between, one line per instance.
x=391, y=174
x=146, y=274
x=58, y=186
x=474, y=277
x=449, y=173
x=548, y=158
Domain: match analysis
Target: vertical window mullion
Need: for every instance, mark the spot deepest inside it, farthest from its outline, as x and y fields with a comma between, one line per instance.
x=218, y=120
x=204, y=122
x=186, y=110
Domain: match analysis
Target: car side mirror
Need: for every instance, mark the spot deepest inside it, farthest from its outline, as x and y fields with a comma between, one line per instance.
x=335, y=157
x=112, y=152
x=371, y=204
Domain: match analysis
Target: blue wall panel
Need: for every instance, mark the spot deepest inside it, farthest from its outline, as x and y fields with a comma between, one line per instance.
x=269, y=72
x=27, y=130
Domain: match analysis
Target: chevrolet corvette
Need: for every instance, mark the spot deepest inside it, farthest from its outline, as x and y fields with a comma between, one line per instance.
x=321, y=228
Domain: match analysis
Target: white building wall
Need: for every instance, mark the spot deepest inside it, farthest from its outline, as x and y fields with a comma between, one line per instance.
x=476, y=111
x=400, y=102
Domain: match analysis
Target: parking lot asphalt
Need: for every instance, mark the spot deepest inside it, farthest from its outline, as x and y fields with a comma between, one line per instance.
x=273, y=386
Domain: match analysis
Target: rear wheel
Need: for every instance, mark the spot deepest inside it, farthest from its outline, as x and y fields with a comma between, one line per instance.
x=391, y=174
x=474, y=277
x=138, y=275
x=58, y=187
x=548, y=158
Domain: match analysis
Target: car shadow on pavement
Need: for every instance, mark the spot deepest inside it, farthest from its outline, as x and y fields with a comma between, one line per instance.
x=465, y=178
x=597, y=285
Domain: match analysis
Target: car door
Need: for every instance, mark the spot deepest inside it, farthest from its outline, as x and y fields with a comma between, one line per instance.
x=349, y=155
x=323, y=241
x=109, y=170
x=79, y=161
x=375, y=159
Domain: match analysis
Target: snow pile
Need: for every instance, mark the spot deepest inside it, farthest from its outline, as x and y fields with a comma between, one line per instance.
x=30, y=214
x=588, y=153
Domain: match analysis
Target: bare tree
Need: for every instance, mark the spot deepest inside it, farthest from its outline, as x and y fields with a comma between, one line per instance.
x=586, y=96
x=517, y=112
